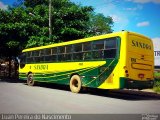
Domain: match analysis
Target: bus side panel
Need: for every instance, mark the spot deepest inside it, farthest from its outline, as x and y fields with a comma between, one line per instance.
x=61, y=72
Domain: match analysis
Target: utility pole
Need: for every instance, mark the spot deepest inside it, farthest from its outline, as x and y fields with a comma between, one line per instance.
x=50, y=20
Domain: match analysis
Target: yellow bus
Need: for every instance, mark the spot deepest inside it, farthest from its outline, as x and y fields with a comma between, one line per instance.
x=111, y=61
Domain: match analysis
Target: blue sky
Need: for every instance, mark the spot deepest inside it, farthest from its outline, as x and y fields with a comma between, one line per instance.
x=134, y=15
x=140, y=16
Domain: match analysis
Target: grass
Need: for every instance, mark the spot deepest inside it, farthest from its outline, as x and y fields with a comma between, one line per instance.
x=156, y=87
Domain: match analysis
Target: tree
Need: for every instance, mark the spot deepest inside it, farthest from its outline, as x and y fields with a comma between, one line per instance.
x=26, y=25
x=99, y=24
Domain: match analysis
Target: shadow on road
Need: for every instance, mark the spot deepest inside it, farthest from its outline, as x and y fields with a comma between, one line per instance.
x=117, y=94
x=12, y=80
x=125, y=95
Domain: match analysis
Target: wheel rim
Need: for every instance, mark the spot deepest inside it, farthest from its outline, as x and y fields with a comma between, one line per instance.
x=75, y=84
x=30, y=79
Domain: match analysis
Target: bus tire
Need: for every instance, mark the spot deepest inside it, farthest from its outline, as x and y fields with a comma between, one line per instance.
x=75, y=84
x=30, y=80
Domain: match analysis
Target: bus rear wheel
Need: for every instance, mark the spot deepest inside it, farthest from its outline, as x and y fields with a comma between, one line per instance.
x=30, y=80
x=75, y=84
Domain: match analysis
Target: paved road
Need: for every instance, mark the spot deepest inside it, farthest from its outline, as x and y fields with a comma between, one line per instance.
x=20, y=98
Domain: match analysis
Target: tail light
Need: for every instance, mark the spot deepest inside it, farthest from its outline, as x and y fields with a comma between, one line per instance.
x=126, y=71
x=141, y=76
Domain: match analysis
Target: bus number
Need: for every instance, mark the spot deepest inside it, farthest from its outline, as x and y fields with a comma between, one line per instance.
x=133, y=60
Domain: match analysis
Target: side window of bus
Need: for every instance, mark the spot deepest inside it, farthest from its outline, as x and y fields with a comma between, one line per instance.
x=77, y=56
x=29, y=58
x=110, y=43
x=98, y=47
x=77, y=48
x=110, y=48
x=23, y=58
x=87, y=54
x=54, y=54
x=69, y=50
x=42, y=52
x=61, y=53
x=36, y=56
x=77, y=52
x=110, y=53
x=98, y=54
x=48, y=51
x=61, y=50
x=28, y=54
x=87, y=46
x=54, y=51
x=35, y=53
x=47, y=55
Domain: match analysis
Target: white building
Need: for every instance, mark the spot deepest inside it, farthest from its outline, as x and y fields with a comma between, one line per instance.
x=156, y=43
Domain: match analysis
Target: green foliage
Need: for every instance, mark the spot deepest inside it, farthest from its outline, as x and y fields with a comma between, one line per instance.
x=156, y=87
x=157, y=74
x=27, y=26
x=99, y=24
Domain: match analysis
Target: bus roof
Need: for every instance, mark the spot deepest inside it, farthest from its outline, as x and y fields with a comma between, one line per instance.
x=84, y=40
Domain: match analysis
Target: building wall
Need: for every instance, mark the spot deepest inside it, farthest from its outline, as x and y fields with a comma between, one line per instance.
x=156, y=43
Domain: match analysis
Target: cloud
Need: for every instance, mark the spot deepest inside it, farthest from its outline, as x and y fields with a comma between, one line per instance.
x=138, y=7
x=115, y=18
x=144, y=1
x=156, y=43
x=3, y=6
x=143, y=24
x=120, y=19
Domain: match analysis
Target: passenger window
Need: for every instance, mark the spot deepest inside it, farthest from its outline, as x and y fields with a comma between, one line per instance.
x=87, y=46
x=42, y=52
x=37, y=59
x=98, y=54
x=48, y=58
x=35, y=53
x=77, y=56
x=110, y=43
x=61, y=49
x=48, y=52
x=69, y=49
x=87, y=55
x=98, y=45
x=77, y=47
x=28, y=54
x=30, y=60
x=111, y=53
x=68, y=57
x=54, y=57
x=54, y=51
x=61, y=57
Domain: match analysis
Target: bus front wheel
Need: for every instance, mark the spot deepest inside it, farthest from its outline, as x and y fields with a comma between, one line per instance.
x=75, y=84
x=30, y=80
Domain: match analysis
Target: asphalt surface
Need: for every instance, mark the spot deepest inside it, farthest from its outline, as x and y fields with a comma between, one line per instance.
x=50, y=98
